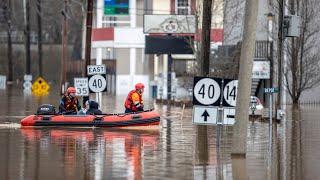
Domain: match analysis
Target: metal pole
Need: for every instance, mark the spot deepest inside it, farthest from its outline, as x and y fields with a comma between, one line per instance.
x=245, y=75
x=27, y=35
x=39, y=37
x=99, y=50
x=270, y=108
x=169, y=76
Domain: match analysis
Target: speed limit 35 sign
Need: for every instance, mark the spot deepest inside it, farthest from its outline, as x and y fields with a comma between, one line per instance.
x=81, y=85
x=209, y=91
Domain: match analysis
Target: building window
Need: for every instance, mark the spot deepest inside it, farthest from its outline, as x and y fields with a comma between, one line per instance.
x=183, y=6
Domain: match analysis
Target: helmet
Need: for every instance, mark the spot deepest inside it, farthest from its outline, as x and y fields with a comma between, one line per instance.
x=139, y=86
x=71, y=90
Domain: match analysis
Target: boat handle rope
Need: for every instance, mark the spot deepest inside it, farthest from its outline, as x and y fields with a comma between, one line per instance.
x=121, y=114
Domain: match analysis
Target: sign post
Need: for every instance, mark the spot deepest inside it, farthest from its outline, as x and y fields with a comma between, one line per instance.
x=270, y=91
x=97, y=80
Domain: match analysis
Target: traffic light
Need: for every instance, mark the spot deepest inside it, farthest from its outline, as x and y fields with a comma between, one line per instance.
x=291, y=26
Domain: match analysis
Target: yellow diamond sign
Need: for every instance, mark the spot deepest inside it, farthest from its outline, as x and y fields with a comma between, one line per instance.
x=40, y=87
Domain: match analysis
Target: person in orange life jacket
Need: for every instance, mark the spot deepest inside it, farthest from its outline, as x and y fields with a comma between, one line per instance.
x=134, y=100
x=69, y=103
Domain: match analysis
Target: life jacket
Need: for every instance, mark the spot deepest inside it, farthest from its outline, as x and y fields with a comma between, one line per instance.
x=70, y=104
x=129, y=104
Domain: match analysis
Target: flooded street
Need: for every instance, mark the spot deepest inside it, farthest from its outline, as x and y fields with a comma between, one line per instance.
x=177, y=149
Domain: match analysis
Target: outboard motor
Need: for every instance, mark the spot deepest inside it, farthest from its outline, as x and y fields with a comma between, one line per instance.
x=46, y=109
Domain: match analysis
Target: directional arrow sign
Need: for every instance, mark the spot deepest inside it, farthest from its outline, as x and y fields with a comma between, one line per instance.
x=228, y=116
x=205, y=115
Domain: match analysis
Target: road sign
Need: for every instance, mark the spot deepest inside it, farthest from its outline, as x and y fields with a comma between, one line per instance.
x=205, y=115
x=27, y=85
x=97, y=83
x=206, y=91
x=3, y=82
x=81, y=85
x=96, y=69
x=230, y=90
x=229, y=116
x=40, y=87
x=271, y=90
x=27, y=77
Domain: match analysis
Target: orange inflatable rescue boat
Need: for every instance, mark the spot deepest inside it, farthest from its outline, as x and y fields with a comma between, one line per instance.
x=50, y=118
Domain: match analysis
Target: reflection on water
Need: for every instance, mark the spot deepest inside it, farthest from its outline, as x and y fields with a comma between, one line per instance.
x=177, y=150
x=77, y=153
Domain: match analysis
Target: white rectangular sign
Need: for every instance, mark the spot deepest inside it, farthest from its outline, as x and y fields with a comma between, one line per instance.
x=81, y=85
x=96, y=69
x=27, y=77
x=261, y=70
x=209, y=115
x=3, y=82
x=228, y=116
x=205, y=115
x=169, y=24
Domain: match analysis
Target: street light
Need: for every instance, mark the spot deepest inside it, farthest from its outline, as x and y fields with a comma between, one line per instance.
x=270, y=18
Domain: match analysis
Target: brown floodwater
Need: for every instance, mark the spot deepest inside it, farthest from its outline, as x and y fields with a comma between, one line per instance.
x=178, y=149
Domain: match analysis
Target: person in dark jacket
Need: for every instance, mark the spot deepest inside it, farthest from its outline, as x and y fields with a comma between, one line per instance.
x=93, y=108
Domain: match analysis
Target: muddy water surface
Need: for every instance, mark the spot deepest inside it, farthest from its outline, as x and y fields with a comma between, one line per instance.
x=177, y=149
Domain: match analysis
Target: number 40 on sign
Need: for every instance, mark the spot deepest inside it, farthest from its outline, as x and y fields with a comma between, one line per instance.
x=215, y=91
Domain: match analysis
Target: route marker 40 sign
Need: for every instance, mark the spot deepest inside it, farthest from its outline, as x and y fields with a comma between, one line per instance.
x=97, y=78
x=209, y=91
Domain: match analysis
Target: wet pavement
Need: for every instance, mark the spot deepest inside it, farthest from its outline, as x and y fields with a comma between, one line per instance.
x=177, y=149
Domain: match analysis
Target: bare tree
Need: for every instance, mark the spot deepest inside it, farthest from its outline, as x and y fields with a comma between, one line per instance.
x=233, y=12
x=303, y=62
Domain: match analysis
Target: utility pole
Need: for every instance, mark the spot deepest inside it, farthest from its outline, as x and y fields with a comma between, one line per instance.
x=64, y=46
x=205, y=37
x=280, y=53
x=88, y=40
x=202, y=135
x=39, y=37
x=245, y=75
x=88, y=35
x=27, y=35
x=7, y=11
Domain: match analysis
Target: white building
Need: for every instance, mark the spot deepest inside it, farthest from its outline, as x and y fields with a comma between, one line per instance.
x=120, y=38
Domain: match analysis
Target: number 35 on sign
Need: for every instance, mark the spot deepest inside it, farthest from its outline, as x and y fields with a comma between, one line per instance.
x=81, y=85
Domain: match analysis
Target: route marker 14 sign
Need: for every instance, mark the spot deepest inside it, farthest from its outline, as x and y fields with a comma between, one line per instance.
x=209, y=91
x=214, y=100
